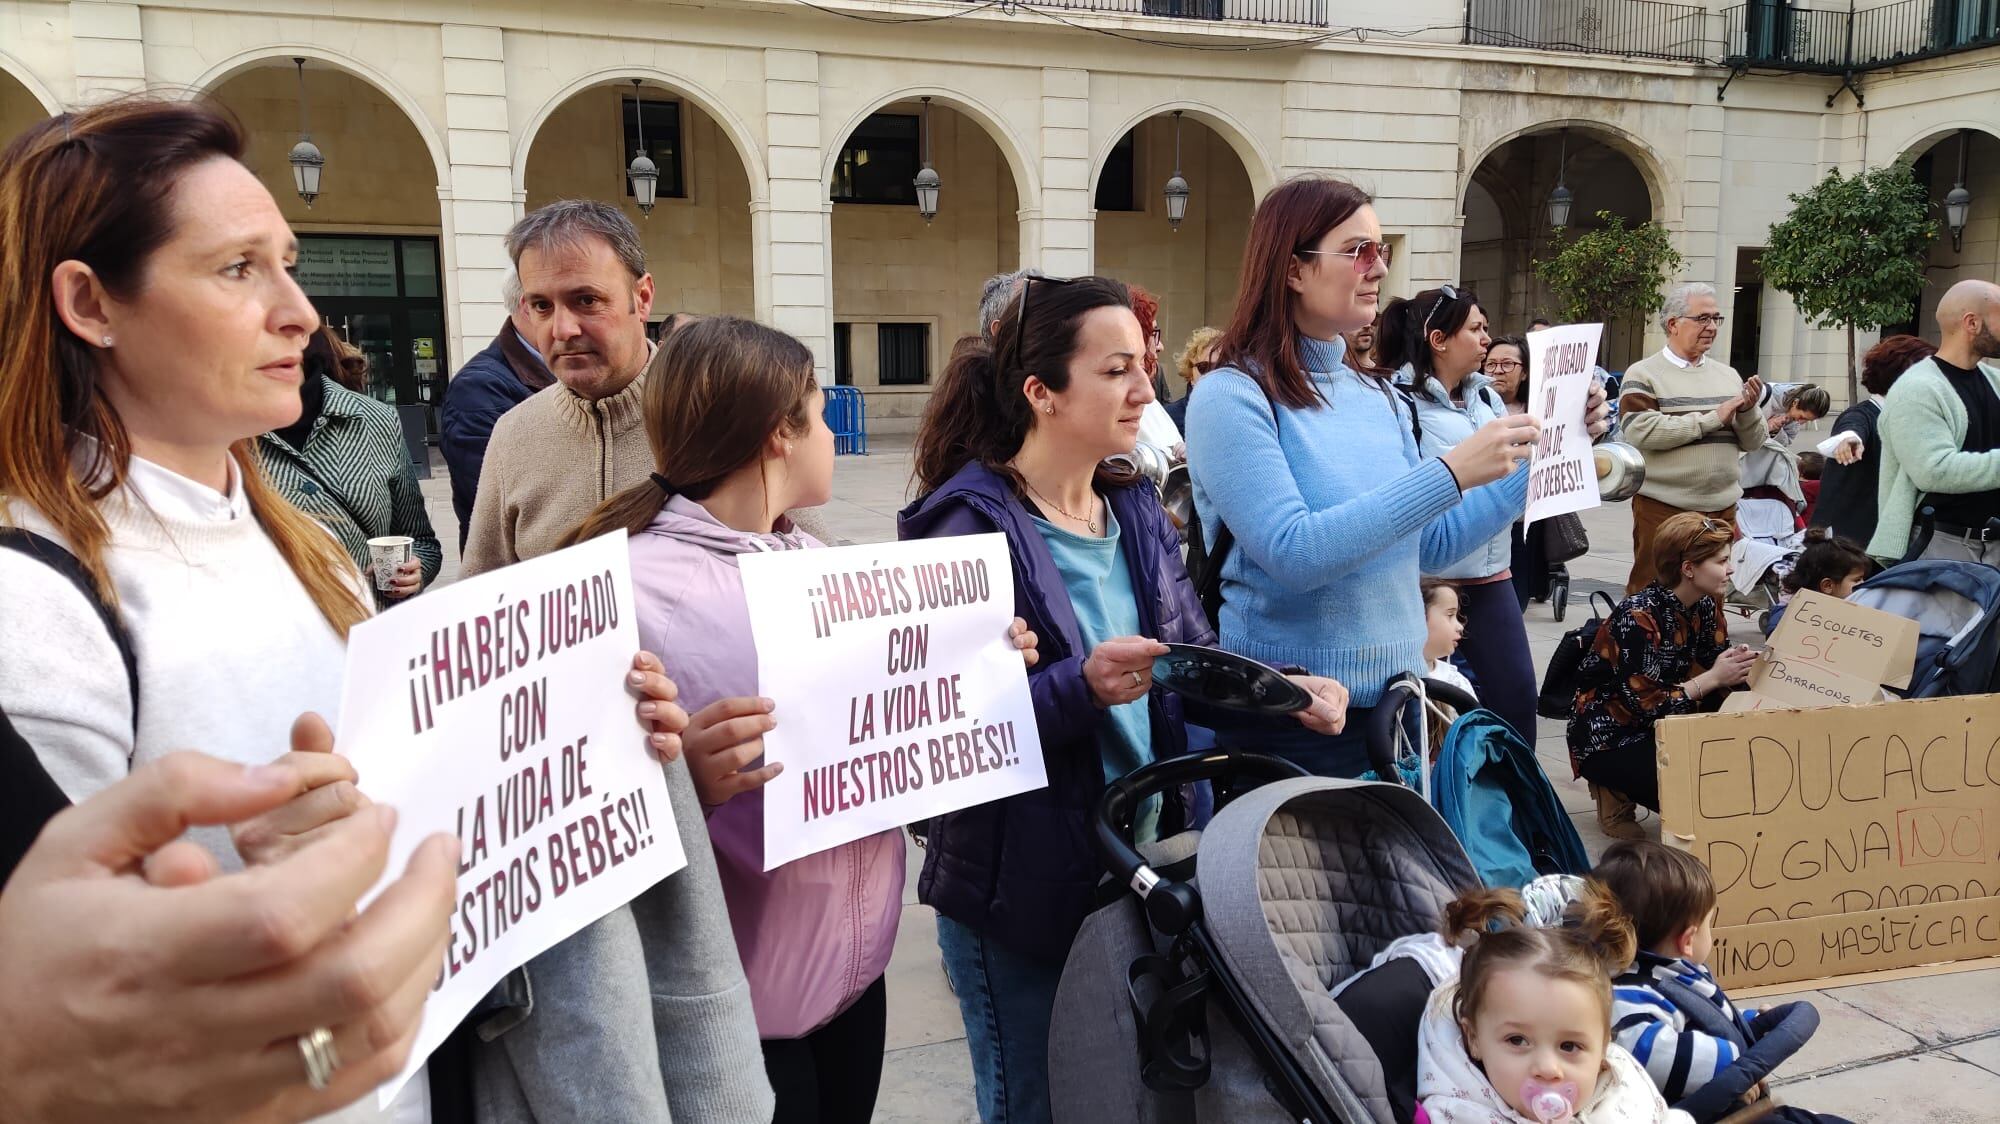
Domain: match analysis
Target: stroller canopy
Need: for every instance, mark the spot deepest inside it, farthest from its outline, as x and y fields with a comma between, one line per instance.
x=1302, y=883
x=1954, y=605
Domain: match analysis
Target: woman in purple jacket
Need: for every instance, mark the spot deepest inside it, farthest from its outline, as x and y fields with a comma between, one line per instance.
x=1013, y=441
x=734, y=417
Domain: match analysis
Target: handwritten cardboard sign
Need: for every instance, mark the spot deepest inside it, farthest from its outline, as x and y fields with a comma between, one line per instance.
x=496, y=709
x=1562, y=477
x=1828, y=652
x=1842, y=840
x=899, y=695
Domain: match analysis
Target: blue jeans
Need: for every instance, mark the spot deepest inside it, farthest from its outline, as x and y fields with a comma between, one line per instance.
x=1006, y=1000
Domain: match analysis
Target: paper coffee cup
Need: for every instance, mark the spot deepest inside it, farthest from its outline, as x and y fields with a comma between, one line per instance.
x=386, y=554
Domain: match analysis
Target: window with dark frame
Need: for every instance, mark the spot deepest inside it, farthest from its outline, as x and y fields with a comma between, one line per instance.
x=843, y=354
x=903, y=354
x=663, y=144
x=1117, y=183
x=879, y=162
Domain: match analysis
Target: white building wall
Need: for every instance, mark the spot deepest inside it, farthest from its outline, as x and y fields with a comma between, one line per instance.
x=1408, y=117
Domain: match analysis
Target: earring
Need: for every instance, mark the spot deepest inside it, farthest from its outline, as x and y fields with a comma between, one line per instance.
x=788, y=448
x=1050, y=408
x=107, y=341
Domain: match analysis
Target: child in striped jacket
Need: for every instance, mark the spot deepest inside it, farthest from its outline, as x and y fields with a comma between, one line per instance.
x=1706, y=1055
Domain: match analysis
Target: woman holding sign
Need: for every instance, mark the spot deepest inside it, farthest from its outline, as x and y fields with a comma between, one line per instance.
x=1314, y=470
x=1014, y=441
x=158, y=593
x=815, y=933
x=1436, y=342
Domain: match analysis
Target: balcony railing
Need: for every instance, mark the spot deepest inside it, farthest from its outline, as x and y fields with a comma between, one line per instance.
x=1303, y=13
x=1766, y=33
x=1638, y=28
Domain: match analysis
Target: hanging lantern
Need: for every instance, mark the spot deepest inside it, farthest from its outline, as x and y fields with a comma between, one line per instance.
x=644, y=174
x=308, y=163
x=927, y=181
x=1177, y=190
x=1560, y=199
x=1958, y=201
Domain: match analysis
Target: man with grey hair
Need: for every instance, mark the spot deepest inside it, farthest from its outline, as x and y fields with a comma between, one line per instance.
x=1692, y=416
x=490, y=384
x=1000, y=291
x=647, y=1008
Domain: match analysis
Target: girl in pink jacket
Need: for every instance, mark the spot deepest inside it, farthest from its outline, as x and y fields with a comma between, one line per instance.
x=734, y=415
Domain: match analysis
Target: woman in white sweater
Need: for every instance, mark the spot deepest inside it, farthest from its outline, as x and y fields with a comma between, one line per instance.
x=159, y=594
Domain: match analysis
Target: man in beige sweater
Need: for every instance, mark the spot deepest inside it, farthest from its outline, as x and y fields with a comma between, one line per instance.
x=585, y=297
x=1692, y=417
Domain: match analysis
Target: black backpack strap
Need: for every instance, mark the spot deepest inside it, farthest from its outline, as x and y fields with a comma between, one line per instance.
x=51, y=554
x=1416, y=424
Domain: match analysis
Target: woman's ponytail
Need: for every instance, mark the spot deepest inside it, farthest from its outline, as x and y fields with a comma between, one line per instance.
x=960, y=421
x=629, y=511
x=1396, y=342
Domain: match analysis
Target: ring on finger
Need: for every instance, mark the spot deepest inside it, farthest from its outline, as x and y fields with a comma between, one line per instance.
x=320, y=1056
x=1137, y=679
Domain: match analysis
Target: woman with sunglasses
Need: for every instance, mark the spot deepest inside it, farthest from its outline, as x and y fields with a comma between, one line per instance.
x=1014, y=441
x=1313, y=469
x=1436, y=343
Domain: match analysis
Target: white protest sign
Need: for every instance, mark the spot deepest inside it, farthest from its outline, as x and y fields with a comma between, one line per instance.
x=1563, y=477
x=495, y=709
x=899, y=695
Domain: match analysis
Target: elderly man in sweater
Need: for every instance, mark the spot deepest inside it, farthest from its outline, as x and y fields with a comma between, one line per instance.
x=1692, y=416
x=1941, y=437
x=646, y=1009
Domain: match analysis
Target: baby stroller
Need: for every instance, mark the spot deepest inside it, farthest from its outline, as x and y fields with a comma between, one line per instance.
x=1769, y=538
x=1955, y=605
x=1214, y=974
x=1483, y=779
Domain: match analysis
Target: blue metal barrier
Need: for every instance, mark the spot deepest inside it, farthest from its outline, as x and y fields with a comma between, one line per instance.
x=847, y=417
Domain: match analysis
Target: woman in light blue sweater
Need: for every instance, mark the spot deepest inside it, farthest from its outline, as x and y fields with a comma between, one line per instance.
x=1315, y=471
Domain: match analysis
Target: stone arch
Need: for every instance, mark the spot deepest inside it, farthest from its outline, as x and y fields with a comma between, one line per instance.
x=1027, y=185
x=1665, y=200
x=1256, y=162
x=1913, y=149
x=18, y=70
x=746, y=143
x=353, y=67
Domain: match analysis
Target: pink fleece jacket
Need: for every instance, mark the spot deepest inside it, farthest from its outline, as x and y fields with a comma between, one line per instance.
x=815, y=933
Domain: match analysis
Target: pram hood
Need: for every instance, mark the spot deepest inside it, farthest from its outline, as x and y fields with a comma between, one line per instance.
x=1956, y=606
x=1302, y=883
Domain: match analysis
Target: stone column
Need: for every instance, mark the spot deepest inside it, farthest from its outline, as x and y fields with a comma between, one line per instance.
x=109, y=57
x=477, y=202
x=1059, y=237
x=791, y=222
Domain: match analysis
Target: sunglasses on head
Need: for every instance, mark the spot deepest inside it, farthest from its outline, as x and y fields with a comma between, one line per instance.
x=1021, y=318
x=1445, y=294
x=1365, y=254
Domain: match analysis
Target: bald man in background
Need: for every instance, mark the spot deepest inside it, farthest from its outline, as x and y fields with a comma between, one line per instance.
x=1941, y=437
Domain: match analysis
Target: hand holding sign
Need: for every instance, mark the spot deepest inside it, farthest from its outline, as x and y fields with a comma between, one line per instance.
x=1493, y=451
x=912, y=651
x=725, y=742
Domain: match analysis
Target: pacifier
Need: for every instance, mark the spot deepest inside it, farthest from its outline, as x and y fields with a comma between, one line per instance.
x=1549, y=1104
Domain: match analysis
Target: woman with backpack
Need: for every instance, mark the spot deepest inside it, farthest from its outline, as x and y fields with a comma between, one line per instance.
x=157, y=593
x=1014, y=440
x=1313, y=471
x=1437, y=344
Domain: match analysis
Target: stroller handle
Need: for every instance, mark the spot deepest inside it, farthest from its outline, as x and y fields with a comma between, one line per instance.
x=1122, y=797
x=1388, y=712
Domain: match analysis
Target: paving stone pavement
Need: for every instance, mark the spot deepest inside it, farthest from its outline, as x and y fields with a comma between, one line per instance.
x=1925, y=1049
